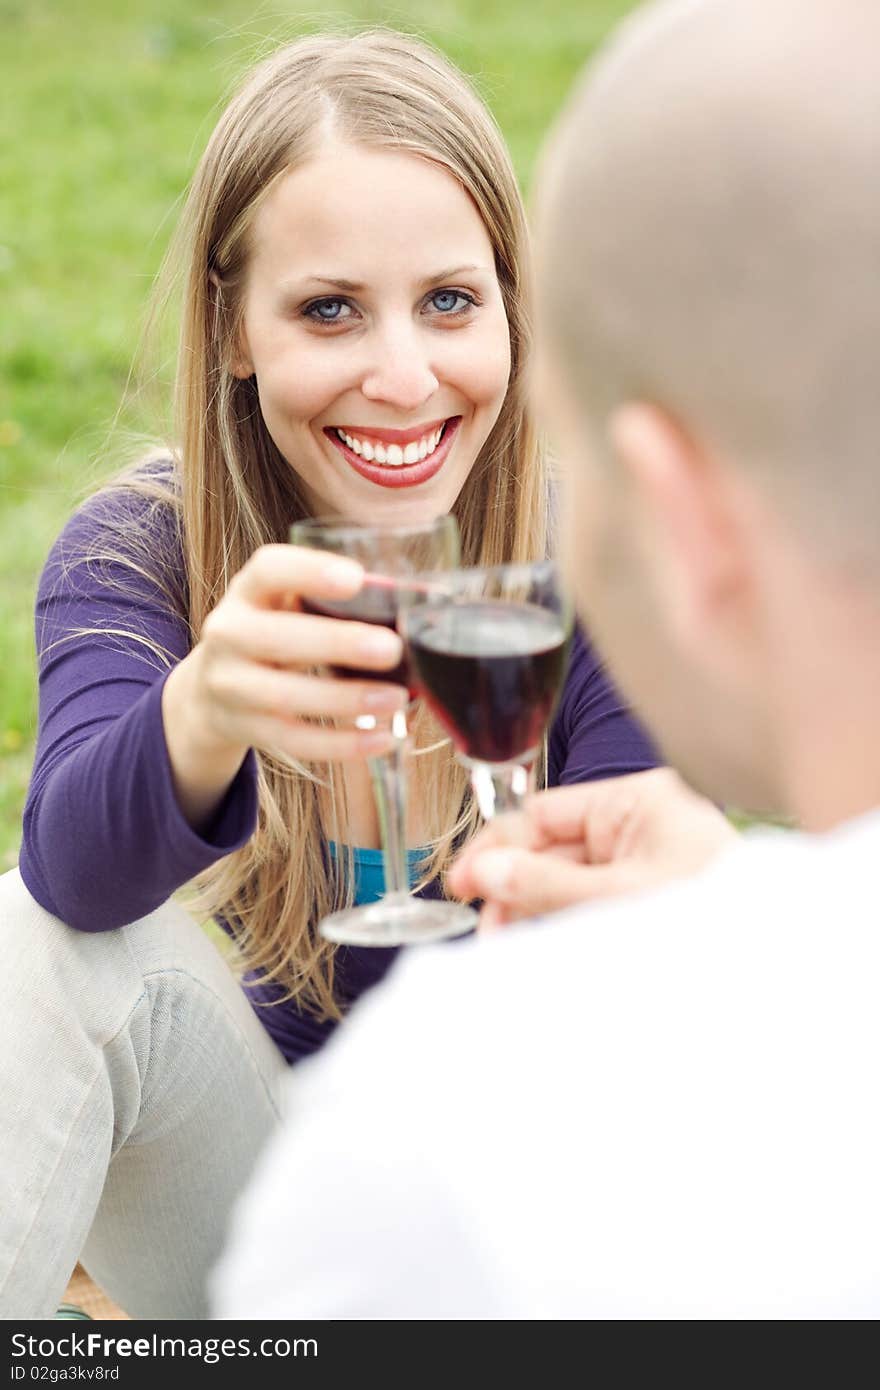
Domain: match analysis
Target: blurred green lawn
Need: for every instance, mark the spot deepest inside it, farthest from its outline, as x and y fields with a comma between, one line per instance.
x=108, y=107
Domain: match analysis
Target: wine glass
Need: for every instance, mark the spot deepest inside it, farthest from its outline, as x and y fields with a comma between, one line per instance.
x=488, y=649
x=390, y=555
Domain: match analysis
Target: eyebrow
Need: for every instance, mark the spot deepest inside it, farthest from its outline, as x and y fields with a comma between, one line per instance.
x=452, y=272
x=354, y=287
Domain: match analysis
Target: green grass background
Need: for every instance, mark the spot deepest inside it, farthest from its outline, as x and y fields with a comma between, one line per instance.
x=105, y=108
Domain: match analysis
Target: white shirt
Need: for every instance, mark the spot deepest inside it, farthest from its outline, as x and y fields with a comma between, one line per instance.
x=660, y=1107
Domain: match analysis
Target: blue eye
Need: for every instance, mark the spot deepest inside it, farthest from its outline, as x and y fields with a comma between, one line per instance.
x=328, y=310
x=450, y=301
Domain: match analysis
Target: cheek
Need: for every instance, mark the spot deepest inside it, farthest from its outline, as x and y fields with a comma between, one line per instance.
x=608, y=582
x=297, y=379
x=478, y=364
x=578, y=533
x=300, y=386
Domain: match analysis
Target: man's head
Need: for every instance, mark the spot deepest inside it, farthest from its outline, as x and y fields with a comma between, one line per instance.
x=709, y=260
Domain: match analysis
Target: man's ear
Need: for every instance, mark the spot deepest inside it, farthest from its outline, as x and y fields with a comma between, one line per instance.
x=691, y=523
x=241, y=365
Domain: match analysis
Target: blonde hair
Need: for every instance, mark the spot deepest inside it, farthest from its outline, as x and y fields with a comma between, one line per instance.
x=231, y=489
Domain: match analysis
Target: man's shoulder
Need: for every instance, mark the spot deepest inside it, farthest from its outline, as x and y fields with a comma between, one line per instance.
x=613, y=1109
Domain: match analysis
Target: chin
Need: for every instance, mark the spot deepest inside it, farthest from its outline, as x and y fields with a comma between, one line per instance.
x=410, y=511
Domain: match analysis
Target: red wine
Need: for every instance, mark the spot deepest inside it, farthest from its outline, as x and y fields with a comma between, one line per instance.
x=377, y=604
x=490, y=671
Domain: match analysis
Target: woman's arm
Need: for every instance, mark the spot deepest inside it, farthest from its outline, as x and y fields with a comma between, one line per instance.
x=145, y=773
x=105, y=840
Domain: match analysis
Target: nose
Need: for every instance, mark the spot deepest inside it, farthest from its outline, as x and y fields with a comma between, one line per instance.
x=399, y=373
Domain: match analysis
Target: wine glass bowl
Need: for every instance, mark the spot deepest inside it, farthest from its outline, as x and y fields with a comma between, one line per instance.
x=389, y=554
x=376, y=603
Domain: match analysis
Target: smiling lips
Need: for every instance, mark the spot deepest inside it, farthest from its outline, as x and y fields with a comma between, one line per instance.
x=396, y=458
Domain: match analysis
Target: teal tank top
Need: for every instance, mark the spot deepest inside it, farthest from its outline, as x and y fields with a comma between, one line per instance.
x=369, y=871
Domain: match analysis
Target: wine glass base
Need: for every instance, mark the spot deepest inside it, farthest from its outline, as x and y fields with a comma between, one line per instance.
x=409, y=922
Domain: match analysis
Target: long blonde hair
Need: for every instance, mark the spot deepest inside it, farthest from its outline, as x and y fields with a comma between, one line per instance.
x=231, y=489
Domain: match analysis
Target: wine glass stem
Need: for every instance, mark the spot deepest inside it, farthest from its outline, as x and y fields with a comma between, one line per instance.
x=500, y=787
x=389, y=789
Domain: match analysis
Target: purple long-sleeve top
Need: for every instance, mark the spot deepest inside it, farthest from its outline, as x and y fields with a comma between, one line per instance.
x=104, y=840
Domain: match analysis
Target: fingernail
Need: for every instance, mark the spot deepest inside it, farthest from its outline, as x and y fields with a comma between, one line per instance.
x=343, y=575
x=381, y=644
x=493, y=871
x=385, y=699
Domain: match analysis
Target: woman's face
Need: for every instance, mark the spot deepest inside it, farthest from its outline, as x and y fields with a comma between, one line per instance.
x=375, y=327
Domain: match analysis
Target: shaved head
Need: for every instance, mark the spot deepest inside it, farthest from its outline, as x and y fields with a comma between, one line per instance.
x=710, y=219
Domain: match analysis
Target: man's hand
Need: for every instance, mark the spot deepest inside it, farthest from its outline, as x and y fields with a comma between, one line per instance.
x=595, y=840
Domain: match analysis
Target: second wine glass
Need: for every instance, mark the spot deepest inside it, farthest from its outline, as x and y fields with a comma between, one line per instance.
x=488, y=650
x=391, y=555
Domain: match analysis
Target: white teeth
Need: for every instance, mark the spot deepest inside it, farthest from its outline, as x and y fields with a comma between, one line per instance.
x=394, y=455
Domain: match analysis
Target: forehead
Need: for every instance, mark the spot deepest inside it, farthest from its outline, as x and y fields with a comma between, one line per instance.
x=366, y=214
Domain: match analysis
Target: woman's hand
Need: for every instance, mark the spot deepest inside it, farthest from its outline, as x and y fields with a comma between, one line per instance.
x=248, y=683
x=596, y=840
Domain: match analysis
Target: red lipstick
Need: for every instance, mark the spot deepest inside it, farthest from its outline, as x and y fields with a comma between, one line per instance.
x=405, y=474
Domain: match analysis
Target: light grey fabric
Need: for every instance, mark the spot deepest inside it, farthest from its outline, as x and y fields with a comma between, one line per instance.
x=137, y=1088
